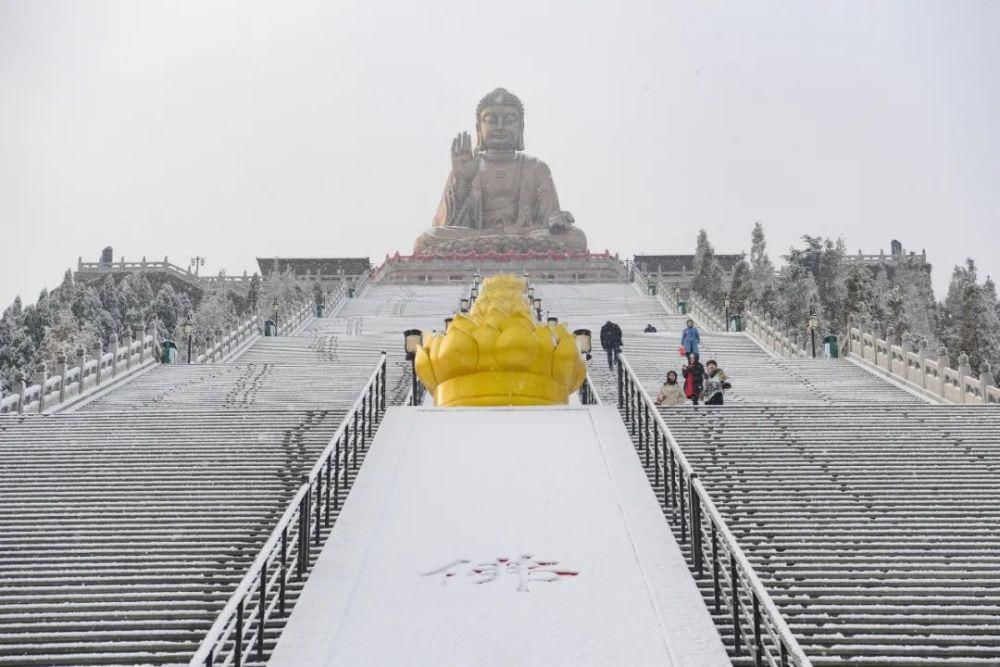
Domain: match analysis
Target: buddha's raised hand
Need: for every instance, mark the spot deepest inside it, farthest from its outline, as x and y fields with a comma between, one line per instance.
x=462, y=161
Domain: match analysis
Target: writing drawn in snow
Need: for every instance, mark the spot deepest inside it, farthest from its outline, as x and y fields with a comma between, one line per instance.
x=525, y=570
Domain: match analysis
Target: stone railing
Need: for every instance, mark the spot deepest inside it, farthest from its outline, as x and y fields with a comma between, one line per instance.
x=47, y=393
x=460, y=267
x=704, y=315
x=129, y=354
x=89, y=268
x=763, y=329
x=912, y=364
x=218, y=346
x=770, y=335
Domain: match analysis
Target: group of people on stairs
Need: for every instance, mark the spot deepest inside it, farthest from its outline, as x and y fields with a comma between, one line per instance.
x=704, y=383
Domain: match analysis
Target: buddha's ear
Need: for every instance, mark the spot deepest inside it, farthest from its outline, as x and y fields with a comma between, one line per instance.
x=480, y=146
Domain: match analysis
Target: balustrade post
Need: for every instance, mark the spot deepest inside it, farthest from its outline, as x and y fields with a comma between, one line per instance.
x=905, y=344
x=922, y=351
x=757, y=643
x=963, y=372
x=19, y=390
x=695, y=525
x=154, y=344
x=41, y=375
x=81, y=361
x=284, y=571
x=99, y=355
x=139, y=334
x=127, y=342
x=238, y=644
x=734, y=600
x=985, y=381
x=61, y=368
x=115, y=344
x=621, y=397
x=943, y=363
x=717, y=589
x=261, y=610
x=861, y=339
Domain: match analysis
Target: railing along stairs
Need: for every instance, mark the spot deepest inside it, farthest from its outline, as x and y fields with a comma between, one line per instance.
x=261, y=605
x=757, y=626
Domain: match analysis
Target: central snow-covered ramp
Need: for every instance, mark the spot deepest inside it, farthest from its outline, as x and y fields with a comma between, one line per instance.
x=501, y=536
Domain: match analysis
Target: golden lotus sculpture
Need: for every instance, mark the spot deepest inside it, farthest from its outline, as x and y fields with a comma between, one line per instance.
x=498, y=355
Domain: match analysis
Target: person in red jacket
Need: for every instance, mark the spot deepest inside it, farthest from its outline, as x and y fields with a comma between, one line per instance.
x=694, y=378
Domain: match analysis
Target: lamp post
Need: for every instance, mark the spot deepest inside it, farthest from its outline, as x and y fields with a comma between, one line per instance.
x=274, y=311
x=476, y=280
x=531, y=293
x=583, y=342
x=411, y=343
x=813, y=325
x=464, y=305
x=474, y=294
x=537, y=303
x=727, y=313
x=188, y=329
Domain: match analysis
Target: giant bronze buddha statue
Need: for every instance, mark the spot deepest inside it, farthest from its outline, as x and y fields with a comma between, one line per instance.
x=498, y=198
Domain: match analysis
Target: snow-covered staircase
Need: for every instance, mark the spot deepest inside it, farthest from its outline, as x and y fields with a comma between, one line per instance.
x=865, y=512
x=874, y=528
x=127, y=524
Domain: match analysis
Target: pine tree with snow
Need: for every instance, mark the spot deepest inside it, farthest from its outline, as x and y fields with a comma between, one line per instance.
x=762, y=272
x=708, y=281
x=741, y=290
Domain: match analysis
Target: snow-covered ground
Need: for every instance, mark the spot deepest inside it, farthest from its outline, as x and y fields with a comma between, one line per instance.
x=501, y=536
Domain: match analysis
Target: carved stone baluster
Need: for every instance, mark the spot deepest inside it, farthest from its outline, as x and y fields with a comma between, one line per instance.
x=943, y=364
x=61, y=368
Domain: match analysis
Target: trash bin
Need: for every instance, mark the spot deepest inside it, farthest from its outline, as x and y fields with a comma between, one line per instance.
x=319, y=310
x=652, y=289
x=830, y=346
x=169, y=352
x=683, y=307
x=736, y=323
x=270, y=328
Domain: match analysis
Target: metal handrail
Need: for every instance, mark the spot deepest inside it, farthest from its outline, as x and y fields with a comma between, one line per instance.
x=332, y=468
x=588, y=392
x=750, y=604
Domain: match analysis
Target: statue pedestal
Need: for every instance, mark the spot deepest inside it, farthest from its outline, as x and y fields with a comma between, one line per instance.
x=459, y=268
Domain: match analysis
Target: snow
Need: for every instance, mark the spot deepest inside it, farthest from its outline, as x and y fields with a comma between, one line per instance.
x=557, y=551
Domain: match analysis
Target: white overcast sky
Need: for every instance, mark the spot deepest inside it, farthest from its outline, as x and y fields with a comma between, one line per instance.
x=237, y=129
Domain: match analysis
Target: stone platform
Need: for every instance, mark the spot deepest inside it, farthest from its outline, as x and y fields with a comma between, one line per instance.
x=461, y=267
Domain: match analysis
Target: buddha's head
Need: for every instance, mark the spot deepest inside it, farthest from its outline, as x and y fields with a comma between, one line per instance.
x=500, y=122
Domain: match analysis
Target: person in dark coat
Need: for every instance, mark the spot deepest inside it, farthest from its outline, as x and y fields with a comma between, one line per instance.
x=694, y=378
x=649, y=329
x=611, y=341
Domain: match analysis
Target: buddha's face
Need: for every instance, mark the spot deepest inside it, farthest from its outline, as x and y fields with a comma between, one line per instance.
x=500, y=127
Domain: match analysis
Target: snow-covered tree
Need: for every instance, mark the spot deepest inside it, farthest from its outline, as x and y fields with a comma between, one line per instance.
x=708, y=280
x=970, y=322
x=797, y=296
x=761, y=270
x=741, y=291
x=253, y=293
x=823, y=259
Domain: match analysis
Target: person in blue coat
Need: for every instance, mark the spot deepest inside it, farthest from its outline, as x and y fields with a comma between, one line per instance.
x=691, y=339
